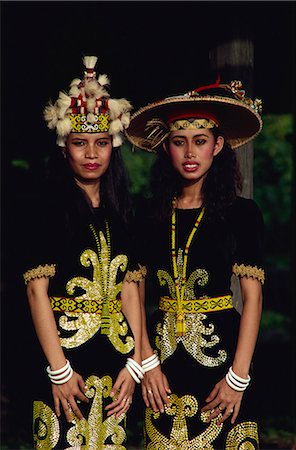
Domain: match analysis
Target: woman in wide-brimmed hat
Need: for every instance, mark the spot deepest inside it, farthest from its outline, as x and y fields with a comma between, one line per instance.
x=81, y=276
x=195, y=233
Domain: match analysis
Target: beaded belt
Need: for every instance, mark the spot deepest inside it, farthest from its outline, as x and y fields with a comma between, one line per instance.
x=83, y=306
x=201, y=305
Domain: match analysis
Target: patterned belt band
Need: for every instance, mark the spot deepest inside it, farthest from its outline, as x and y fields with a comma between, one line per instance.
x=201, y=305
x=83, y=306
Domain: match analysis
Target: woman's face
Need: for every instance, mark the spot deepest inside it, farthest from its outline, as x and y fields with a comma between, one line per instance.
x=192, y=152
x=88, y=155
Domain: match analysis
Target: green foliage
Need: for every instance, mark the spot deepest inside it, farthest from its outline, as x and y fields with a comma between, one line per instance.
x=138, y=164
x=273, y=168
x=21, y=163
x=275, y=325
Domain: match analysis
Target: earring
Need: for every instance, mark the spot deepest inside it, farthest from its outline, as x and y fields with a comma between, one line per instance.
x=64, y=153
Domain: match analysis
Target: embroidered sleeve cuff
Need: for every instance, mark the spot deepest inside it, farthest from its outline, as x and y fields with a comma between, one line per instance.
x=136, y=275
x=241, y=270
x=48, y=270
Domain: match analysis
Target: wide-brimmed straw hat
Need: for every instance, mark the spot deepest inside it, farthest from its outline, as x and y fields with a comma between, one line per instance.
x=218, y=105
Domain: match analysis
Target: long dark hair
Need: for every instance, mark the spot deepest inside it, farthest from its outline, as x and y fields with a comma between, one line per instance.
x=220, y=188
x=114, y=195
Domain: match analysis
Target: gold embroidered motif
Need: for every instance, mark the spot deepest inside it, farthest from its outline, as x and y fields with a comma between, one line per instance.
x=92, y=433
x=136, y=275
x=96, y=433
x=199, y=276
x=48, y=270
x=46, y=426
x=193, y=340
x=181, y=408
x=243, y=436
x=241, y=270
x=102, y=289
x=197, y=338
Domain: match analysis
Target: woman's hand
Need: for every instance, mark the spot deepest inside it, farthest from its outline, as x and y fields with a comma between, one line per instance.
x=122, y=394
x=223, y=400
x=68, y=394
x=155, y=389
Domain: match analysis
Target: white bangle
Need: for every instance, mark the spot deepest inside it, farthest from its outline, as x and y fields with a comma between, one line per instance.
x=132, y=374
x=237, y=383
x=147, y=360
x=58, y=371
x=239, y=379
x=135, y=367
x=150, y=363
x=64, y=380
x=151, y=366
x=233, y=386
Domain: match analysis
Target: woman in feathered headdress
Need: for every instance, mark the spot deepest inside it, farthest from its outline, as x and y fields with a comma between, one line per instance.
x=82, y=277
x=198, y=232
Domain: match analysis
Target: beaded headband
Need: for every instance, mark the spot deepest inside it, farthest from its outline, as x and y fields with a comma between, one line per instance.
x=88, y=108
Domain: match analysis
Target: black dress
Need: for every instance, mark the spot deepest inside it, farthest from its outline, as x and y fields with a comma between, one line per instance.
x=87, y=256
x=200, y=357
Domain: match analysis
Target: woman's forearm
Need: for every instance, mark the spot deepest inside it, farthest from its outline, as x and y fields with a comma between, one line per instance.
x=44, y=322
x=146, y=346
x=249, y=325
x=132, y=311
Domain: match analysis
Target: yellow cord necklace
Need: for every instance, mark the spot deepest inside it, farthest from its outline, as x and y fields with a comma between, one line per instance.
x=180, y=325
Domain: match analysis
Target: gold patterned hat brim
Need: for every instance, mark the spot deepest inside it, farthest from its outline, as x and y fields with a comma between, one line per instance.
x=240, y=122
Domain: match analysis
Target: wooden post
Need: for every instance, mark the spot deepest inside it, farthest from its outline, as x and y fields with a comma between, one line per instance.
x=234, y=60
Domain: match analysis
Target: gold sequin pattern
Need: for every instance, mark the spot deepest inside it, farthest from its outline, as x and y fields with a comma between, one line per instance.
x=136, y=275
x=243, y=436
x=95, y=431
x=91, y=433
x=48, y=270
x=198, y=338
x=241, y=270
x=102, y=288
x=46, y=426
x=85, y=326
x=180, y=409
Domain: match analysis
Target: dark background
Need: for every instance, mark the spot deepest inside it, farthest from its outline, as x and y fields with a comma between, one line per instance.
x=149, y=50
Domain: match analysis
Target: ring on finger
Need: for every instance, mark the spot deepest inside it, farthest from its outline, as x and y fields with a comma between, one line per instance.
x=220, y=408
x=230, y=411
x=124, y=400
x=149, y=391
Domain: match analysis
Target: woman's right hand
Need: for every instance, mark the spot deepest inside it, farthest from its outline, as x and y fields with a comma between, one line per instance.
x=155, y=389
x=67, y=395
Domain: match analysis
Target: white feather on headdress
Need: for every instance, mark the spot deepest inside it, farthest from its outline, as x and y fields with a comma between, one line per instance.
x=50, y=115
x=63, y=103
x=91, y=118
x=116, y=140
x=90, y=61
x=125, y=120
x=117, y=107
x=90, y=104
x=64, y=127
x=103, y=80
x=75, y=82
x=115, y=127
x=74, y=91
x=92, y=88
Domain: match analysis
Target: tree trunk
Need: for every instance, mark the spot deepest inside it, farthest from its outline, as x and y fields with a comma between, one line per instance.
x=234, y=60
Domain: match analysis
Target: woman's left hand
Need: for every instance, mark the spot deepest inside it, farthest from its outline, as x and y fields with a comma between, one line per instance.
x=223, y=400
x=122, y=392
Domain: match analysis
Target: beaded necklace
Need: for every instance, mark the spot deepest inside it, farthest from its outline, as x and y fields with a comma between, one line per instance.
x=180, y=330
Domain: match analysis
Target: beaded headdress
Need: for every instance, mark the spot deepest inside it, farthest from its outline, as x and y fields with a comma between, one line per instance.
x=88, y=108
x=217, y=105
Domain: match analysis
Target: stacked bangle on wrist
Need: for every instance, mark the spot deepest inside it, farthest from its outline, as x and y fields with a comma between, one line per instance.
x=62, y=375
x=150, y=363
x=235, y=382
x=135, y=370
